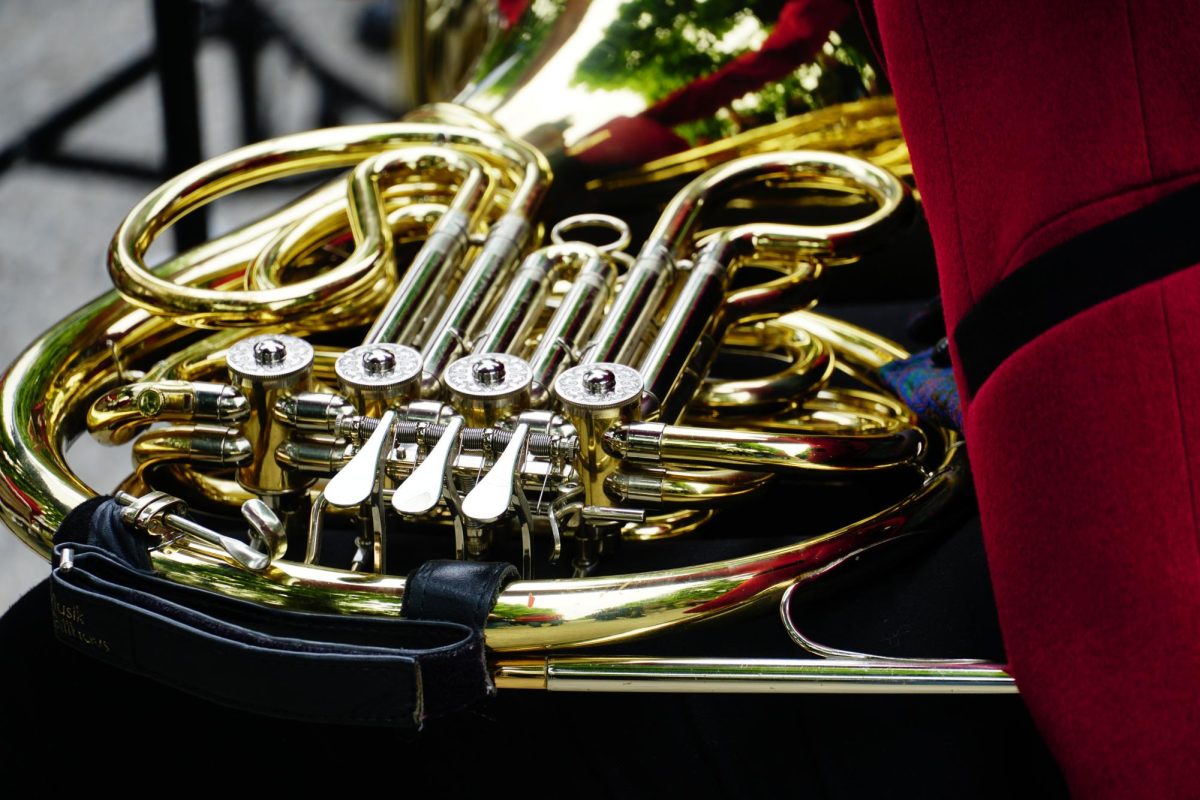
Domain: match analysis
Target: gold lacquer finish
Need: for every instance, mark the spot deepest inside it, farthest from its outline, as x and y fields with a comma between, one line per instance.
x=367, y=273
x=117, y=415
x=266, y=369
x=444, y=367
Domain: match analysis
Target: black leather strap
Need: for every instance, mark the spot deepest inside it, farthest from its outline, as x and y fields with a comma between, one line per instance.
x=1135, y=249
x=459, y=591
x=98, y=522
x=314, y=667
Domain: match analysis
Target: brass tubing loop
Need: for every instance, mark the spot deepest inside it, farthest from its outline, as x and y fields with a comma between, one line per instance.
x=649, y=278
x=364, y=274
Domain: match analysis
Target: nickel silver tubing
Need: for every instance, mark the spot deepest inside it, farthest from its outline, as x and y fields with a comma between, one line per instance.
x=750, y=676
x=490, y=269
x=415, y=298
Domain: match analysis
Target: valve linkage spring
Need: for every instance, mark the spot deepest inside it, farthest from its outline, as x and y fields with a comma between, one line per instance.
x=482, y=440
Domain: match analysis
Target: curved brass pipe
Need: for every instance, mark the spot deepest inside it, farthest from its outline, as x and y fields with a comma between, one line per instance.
x=853, y=345
x=868, y=128
x=410, y=216
x=832, y=411
x=291, y=155
x=211, y=444
x=414, y=301
x=808, y=365
x=545, y=615
x=690, y=488
x=176, y=447
x=655, y=442
x=683, y=351
x=620, y=335
x=369, y=263
x=206, y=356
x=116, y=416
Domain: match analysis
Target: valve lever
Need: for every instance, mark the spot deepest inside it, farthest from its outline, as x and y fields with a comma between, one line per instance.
x=500, y=490
x=493, y=495
x=421, y=491
x=360, y=483
x=356, y=482
x=161, y=514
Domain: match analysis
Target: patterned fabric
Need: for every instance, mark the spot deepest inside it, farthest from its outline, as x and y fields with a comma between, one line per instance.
x=926, y=383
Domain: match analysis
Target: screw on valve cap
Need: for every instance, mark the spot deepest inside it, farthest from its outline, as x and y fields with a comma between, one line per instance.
x=270, y=358
x=377, y=366
x=488, y=375
x=594, y=387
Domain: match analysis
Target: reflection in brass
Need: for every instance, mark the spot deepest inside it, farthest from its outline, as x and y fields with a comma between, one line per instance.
x=570, y=78
x=614, y=430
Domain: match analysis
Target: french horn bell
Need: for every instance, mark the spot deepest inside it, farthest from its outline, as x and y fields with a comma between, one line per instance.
x=427, y=348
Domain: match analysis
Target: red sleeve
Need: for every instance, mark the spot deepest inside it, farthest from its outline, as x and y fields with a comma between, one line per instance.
x=1031, y=123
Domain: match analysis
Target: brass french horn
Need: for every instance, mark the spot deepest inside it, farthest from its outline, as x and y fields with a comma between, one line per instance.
x=397, y=351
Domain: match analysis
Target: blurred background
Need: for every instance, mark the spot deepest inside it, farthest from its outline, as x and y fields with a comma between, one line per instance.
x=65, y=187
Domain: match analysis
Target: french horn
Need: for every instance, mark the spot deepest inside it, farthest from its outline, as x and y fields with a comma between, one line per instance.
x=427, y=358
